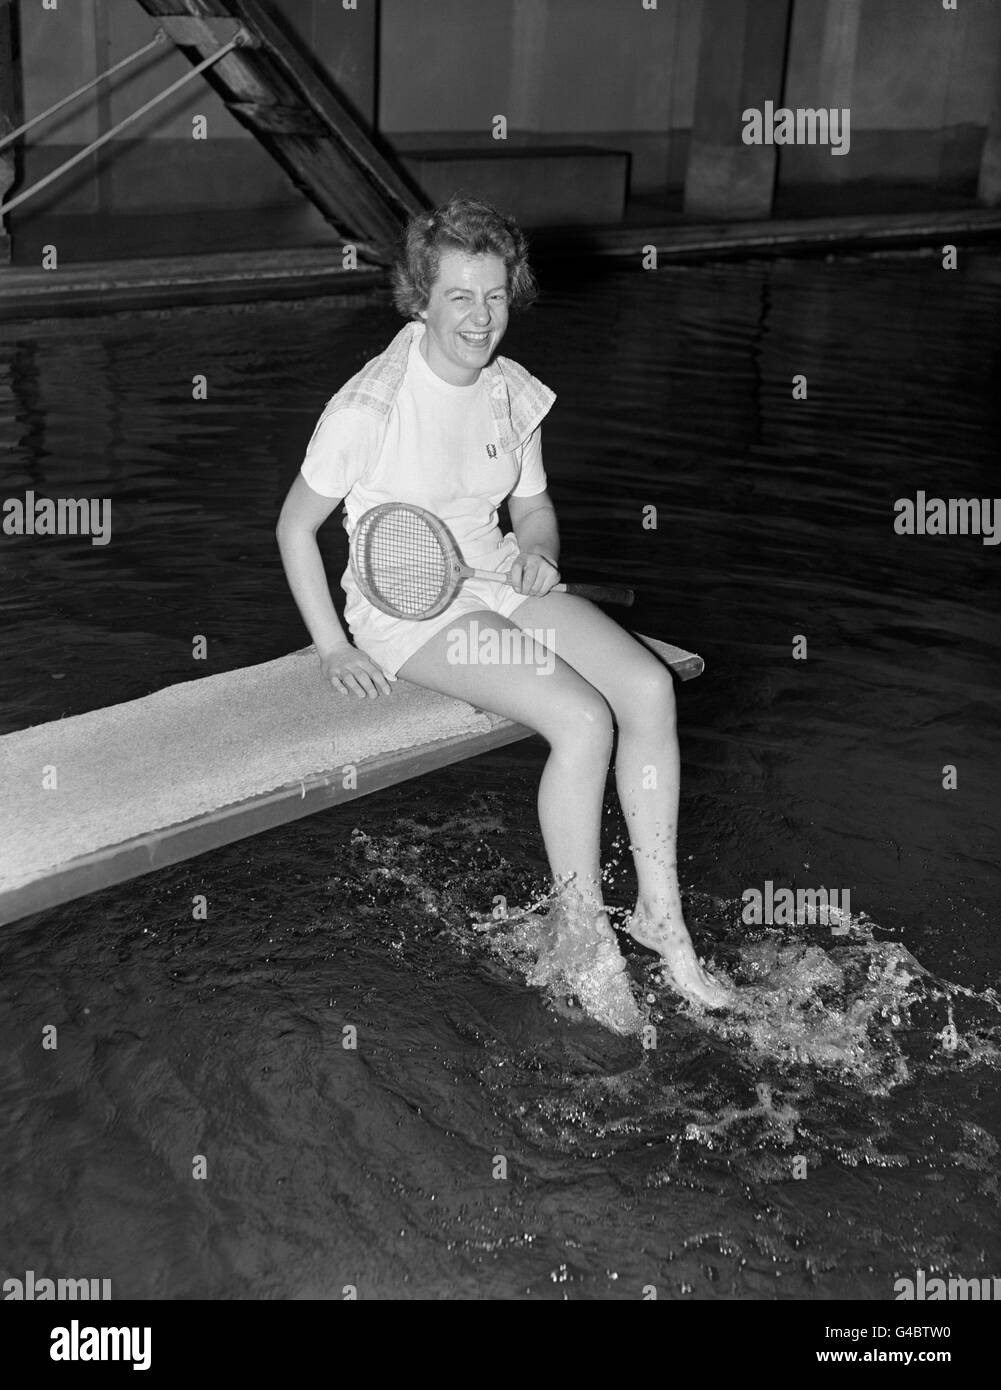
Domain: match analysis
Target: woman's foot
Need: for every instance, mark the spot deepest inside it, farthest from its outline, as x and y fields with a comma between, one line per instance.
x=667, y=934
x=604, y=988
x=594, y=967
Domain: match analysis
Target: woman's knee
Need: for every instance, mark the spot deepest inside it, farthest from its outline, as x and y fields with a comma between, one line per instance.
x=583, y=723
x=648, y=697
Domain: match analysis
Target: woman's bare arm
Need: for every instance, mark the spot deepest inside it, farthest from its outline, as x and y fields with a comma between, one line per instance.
x=302, y=515
x=534, y=522
x=346, y=668
x=536, y=569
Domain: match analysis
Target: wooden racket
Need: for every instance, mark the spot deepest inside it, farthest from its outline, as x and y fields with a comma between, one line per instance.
x=406, y=562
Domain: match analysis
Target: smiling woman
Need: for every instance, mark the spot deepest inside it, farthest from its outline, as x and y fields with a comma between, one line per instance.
x=441, y=422
x=460, y=307
x=466, y=319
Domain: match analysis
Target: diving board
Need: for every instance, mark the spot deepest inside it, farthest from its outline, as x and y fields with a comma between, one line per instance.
x=296, y=113
x=103, y=797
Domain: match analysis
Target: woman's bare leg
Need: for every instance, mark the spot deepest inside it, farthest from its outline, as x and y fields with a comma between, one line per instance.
x=640, y=691
x=549, y=696
x=568, y=712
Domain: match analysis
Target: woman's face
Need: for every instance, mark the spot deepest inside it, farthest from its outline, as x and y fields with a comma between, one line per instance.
x=466, y=316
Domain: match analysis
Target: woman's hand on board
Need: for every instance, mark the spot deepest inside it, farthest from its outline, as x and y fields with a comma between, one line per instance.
x=351, y=672
x=532, y=574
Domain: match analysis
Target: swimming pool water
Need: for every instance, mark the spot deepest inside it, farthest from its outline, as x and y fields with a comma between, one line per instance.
x=869, y=1057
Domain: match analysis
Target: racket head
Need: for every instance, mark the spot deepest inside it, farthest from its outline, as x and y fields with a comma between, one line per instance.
x=405, y=561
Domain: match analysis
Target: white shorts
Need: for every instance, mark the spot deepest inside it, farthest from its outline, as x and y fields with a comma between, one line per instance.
x=390, y=642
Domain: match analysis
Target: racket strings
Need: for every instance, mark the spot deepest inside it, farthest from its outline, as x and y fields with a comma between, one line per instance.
x=402, y=562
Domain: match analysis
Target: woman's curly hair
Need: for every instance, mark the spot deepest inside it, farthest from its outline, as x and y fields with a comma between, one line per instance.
x=461, y=224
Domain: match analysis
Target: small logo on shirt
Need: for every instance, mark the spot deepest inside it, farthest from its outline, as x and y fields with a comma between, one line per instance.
x=491, y=451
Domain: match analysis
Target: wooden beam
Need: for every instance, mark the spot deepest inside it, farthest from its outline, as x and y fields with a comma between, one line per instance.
x=320, y=95
x=295, y=113
x=205, y=35
x=273, y=119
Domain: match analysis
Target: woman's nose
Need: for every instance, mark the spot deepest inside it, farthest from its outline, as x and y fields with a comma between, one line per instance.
x=481, y=313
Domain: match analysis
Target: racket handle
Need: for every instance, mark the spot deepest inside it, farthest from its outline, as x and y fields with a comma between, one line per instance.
x=600, y=593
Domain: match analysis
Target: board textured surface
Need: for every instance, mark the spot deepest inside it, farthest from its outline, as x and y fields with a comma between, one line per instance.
x=105, y=796
x=194, y=747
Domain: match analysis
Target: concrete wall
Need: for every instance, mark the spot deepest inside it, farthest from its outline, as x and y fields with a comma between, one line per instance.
x=556, y=65
x=9, y=115
x=920, y=81
x=156, y=165
x=606, y=71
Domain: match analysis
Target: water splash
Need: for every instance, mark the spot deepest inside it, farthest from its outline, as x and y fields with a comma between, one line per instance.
x=569, y=951
x=799, y=1003
x=779, y=1119
x=847, y=1004
x=818, y=996
x=850, y=1003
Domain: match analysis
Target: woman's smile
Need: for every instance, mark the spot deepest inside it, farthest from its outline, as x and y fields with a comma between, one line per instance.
x=475, y=338
x=466, y=316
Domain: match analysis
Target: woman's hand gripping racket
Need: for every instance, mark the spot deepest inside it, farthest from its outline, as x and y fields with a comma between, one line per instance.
x=406, y=562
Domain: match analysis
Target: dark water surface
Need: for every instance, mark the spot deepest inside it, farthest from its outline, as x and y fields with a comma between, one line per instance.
x=872, y=1054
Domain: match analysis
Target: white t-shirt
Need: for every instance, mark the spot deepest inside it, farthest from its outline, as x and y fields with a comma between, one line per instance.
x=439, y=450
